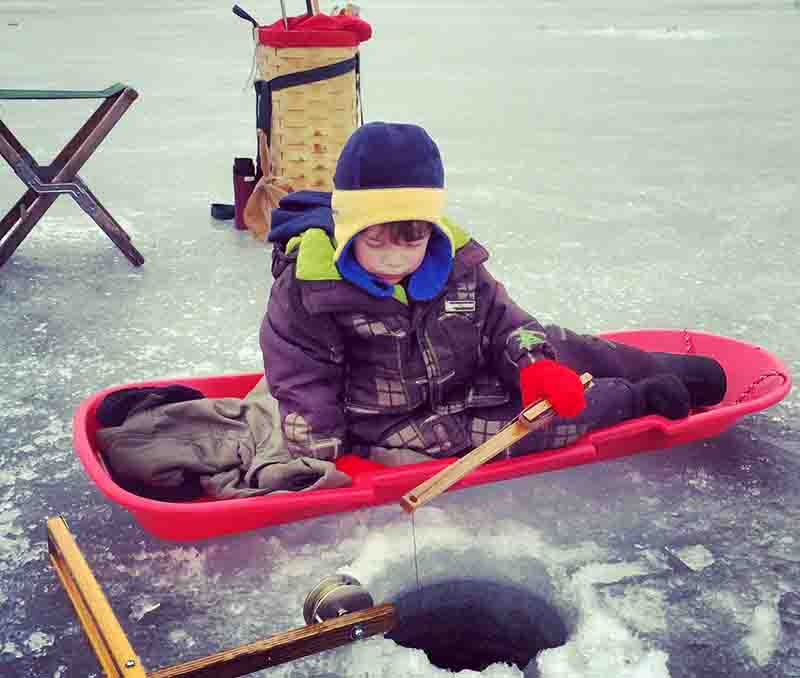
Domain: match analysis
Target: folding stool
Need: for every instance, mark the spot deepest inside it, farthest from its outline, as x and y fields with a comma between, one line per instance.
x=46, y=182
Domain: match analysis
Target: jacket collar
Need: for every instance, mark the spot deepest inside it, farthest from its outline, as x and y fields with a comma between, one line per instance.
x=323, y=290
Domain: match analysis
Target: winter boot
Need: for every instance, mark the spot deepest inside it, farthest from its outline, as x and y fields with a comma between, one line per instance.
x=703, y=376
x=663, y=394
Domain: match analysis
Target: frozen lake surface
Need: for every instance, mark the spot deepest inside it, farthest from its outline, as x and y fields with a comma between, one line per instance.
x=629, y=164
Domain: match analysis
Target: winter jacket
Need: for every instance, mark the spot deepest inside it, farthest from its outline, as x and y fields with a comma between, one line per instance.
x=355, y=372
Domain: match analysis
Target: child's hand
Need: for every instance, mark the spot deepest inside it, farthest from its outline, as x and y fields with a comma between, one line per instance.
x=554, y=381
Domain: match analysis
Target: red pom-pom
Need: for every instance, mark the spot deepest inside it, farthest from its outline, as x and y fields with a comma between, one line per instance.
x=555, y=382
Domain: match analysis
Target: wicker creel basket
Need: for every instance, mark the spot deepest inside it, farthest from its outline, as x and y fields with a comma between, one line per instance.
x=311, y=122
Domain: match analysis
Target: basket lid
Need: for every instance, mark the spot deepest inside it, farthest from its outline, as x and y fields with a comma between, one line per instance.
x=319, y=30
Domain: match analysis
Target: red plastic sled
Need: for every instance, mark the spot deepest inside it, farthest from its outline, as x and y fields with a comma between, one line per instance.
x=756, y=380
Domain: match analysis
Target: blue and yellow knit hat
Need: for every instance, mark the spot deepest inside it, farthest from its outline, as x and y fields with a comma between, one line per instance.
x=391, y=172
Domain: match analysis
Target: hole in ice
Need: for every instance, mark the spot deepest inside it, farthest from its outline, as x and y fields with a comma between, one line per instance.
x=473, y=623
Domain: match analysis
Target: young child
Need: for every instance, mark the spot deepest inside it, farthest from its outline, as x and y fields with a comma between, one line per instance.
x=392, y=340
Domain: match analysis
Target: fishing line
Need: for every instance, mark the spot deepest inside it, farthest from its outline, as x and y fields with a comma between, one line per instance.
x=416, y=561
x=414, y=543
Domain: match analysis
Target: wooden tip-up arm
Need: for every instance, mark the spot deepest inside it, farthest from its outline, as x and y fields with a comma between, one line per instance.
x=118, y=660
x=287, y=646
x=108, y=640
x=531, y=418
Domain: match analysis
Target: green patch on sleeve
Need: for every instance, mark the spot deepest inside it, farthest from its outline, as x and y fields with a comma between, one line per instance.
x=528, y=339
x=315, y=258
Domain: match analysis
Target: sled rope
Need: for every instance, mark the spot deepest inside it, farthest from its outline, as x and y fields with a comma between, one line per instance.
x=758, y=381
x=747, y=392
x=687, y=340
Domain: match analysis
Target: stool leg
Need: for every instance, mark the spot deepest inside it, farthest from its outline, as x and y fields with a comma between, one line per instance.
x=15, y=213
x=22, y=217
x=11, y=149
x=110, y=227
x=39, y=206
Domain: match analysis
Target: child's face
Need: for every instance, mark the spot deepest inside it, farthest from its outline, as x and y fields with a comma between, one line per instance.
x=389, y=259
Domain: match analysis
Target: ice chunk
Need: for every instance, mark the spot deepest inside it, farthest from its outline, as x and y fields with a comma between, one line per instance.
x=642, y=607
x=696, y=557
x=381, y=658
x=601, y=648
x=181, y=637
x=607, y=573
x=141, y=606
x=39, y=640
x=602, y=645
x=12, y=649
x=763, y=638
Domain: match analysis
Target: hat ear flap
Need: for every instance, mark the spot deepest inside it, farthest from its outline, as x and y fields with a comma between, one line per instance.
x=429, y=279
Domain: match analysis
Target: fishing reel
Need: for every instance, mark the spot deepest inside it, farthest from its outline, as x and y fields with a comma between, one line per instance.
x=335, y=596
